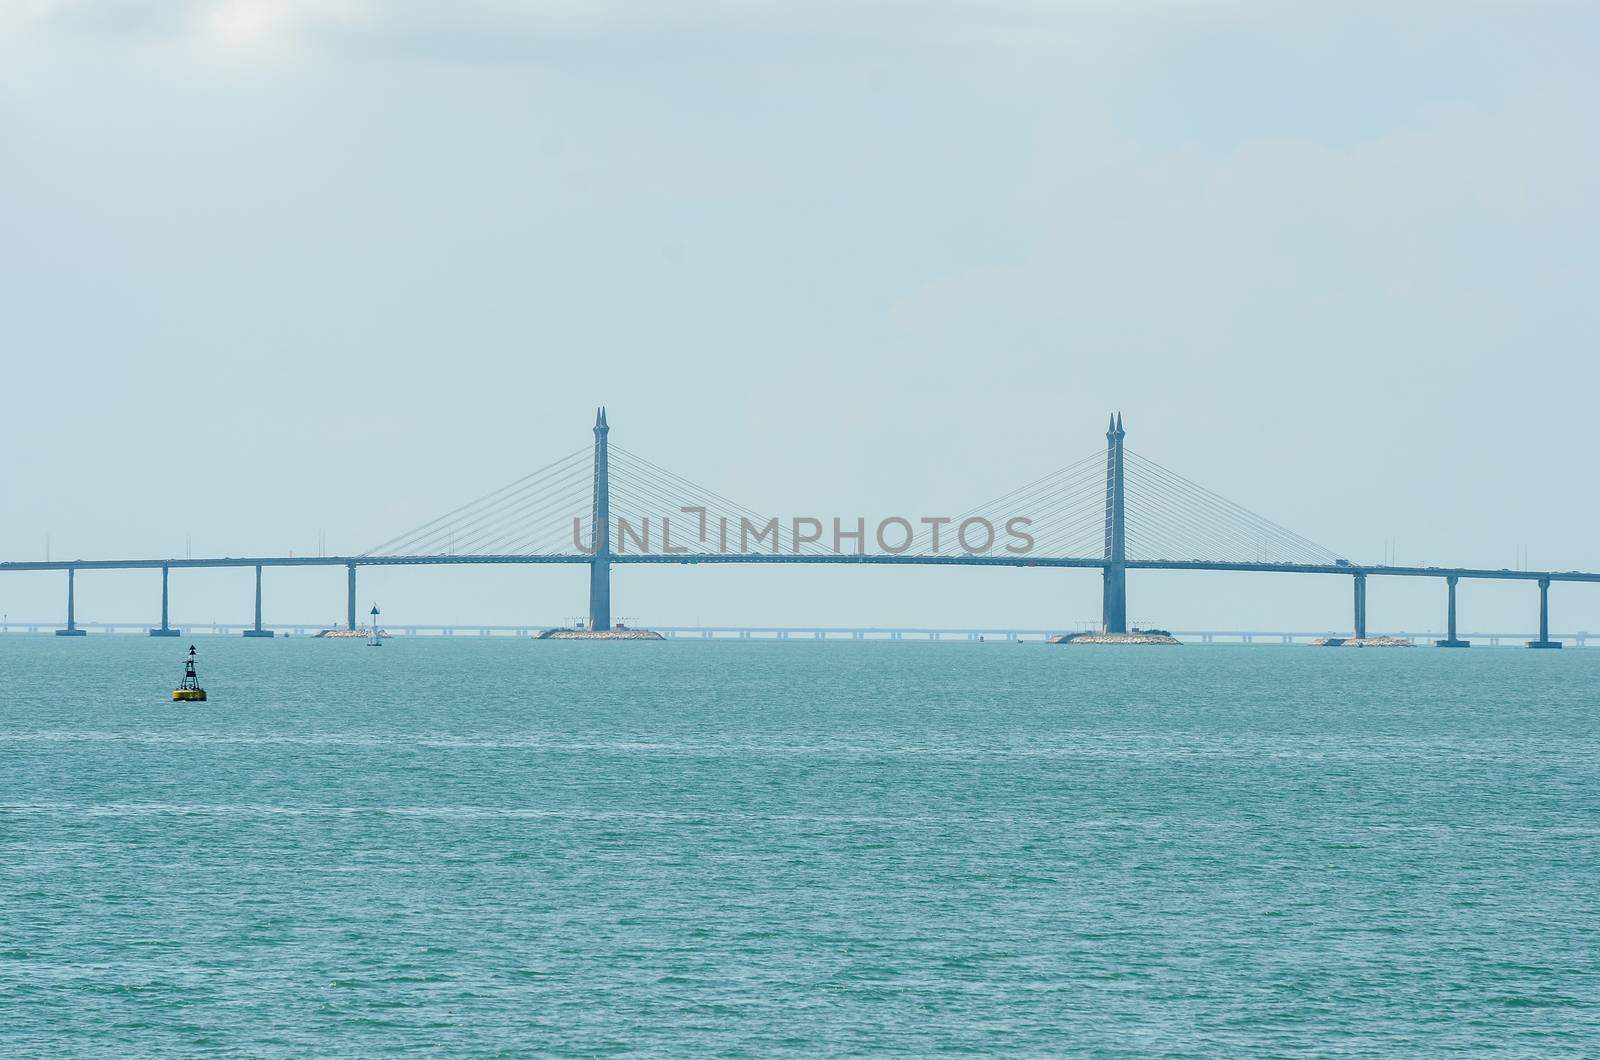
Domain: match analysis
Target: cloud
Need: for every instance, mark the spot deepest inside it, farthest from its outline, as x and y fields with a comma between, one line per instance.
x=225, y=30
x=499, y=31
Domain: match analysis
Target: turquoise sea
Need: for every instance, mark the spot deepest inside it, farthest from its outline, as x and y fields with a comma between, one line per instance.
x=497, y=847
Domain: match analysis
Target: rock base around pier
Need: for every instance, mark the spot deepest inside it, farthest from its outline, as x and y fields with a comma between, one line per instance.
x=1146, y=636
x=600, y=634
x=350, y=634
x=1362, y=642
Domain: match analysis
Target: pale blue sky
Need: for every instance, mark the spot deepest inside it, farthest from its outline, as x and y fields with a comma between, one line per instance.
x=274, y=269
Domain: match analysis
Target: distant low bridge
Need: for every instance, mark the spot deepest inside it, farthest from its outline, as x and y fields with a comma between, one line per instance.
x=892, y=633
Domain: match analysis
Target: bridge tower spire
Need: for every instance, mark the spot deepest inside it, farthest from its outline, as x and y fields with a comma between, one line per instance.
x=1114, y=602
x=600, y=530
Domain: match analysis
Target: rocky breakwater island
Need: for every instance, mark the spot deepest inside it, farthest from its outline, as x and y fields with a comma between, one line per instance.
x=1137, y=636
x=1362, y=642
x=600, y=634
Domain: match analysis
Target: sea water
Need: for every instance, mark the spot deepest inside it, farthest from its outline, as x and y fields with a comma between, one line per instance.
x=470, y=846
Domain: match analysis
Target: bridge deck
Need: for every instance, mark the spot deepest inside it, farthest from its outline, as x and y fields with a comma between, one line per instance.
x=869, y=559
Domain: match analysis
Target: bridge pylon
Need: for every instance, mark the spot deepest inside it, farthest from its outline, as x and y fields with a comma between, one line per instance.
x=1114, y=600
x=599, y=531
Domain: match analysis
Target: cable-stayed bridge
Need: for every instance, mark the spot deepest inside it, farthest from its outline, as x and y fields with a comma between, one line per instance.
x=603, y=505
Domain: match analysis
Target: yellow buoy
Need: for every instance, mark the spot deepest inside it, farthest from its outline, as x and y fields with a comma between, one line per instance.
x=189, y=690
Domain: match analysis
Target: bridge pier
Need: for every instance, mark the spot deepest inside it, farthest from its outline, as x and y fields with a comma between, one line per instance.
x=165, y=630
x=72, y=629
x=257, y=631
x=1544, y=640
x=1450, y=640
x=350, y=597
x=1361, y=606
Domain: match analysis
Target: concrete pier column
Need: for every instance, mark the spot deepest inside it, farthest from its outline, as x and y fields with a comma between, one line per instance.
x=166, y=629
x=257, y=631
x=350, y=596
x=1544, y=640
x=1361, y=606
x=1450, y=640
x=72, y=629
